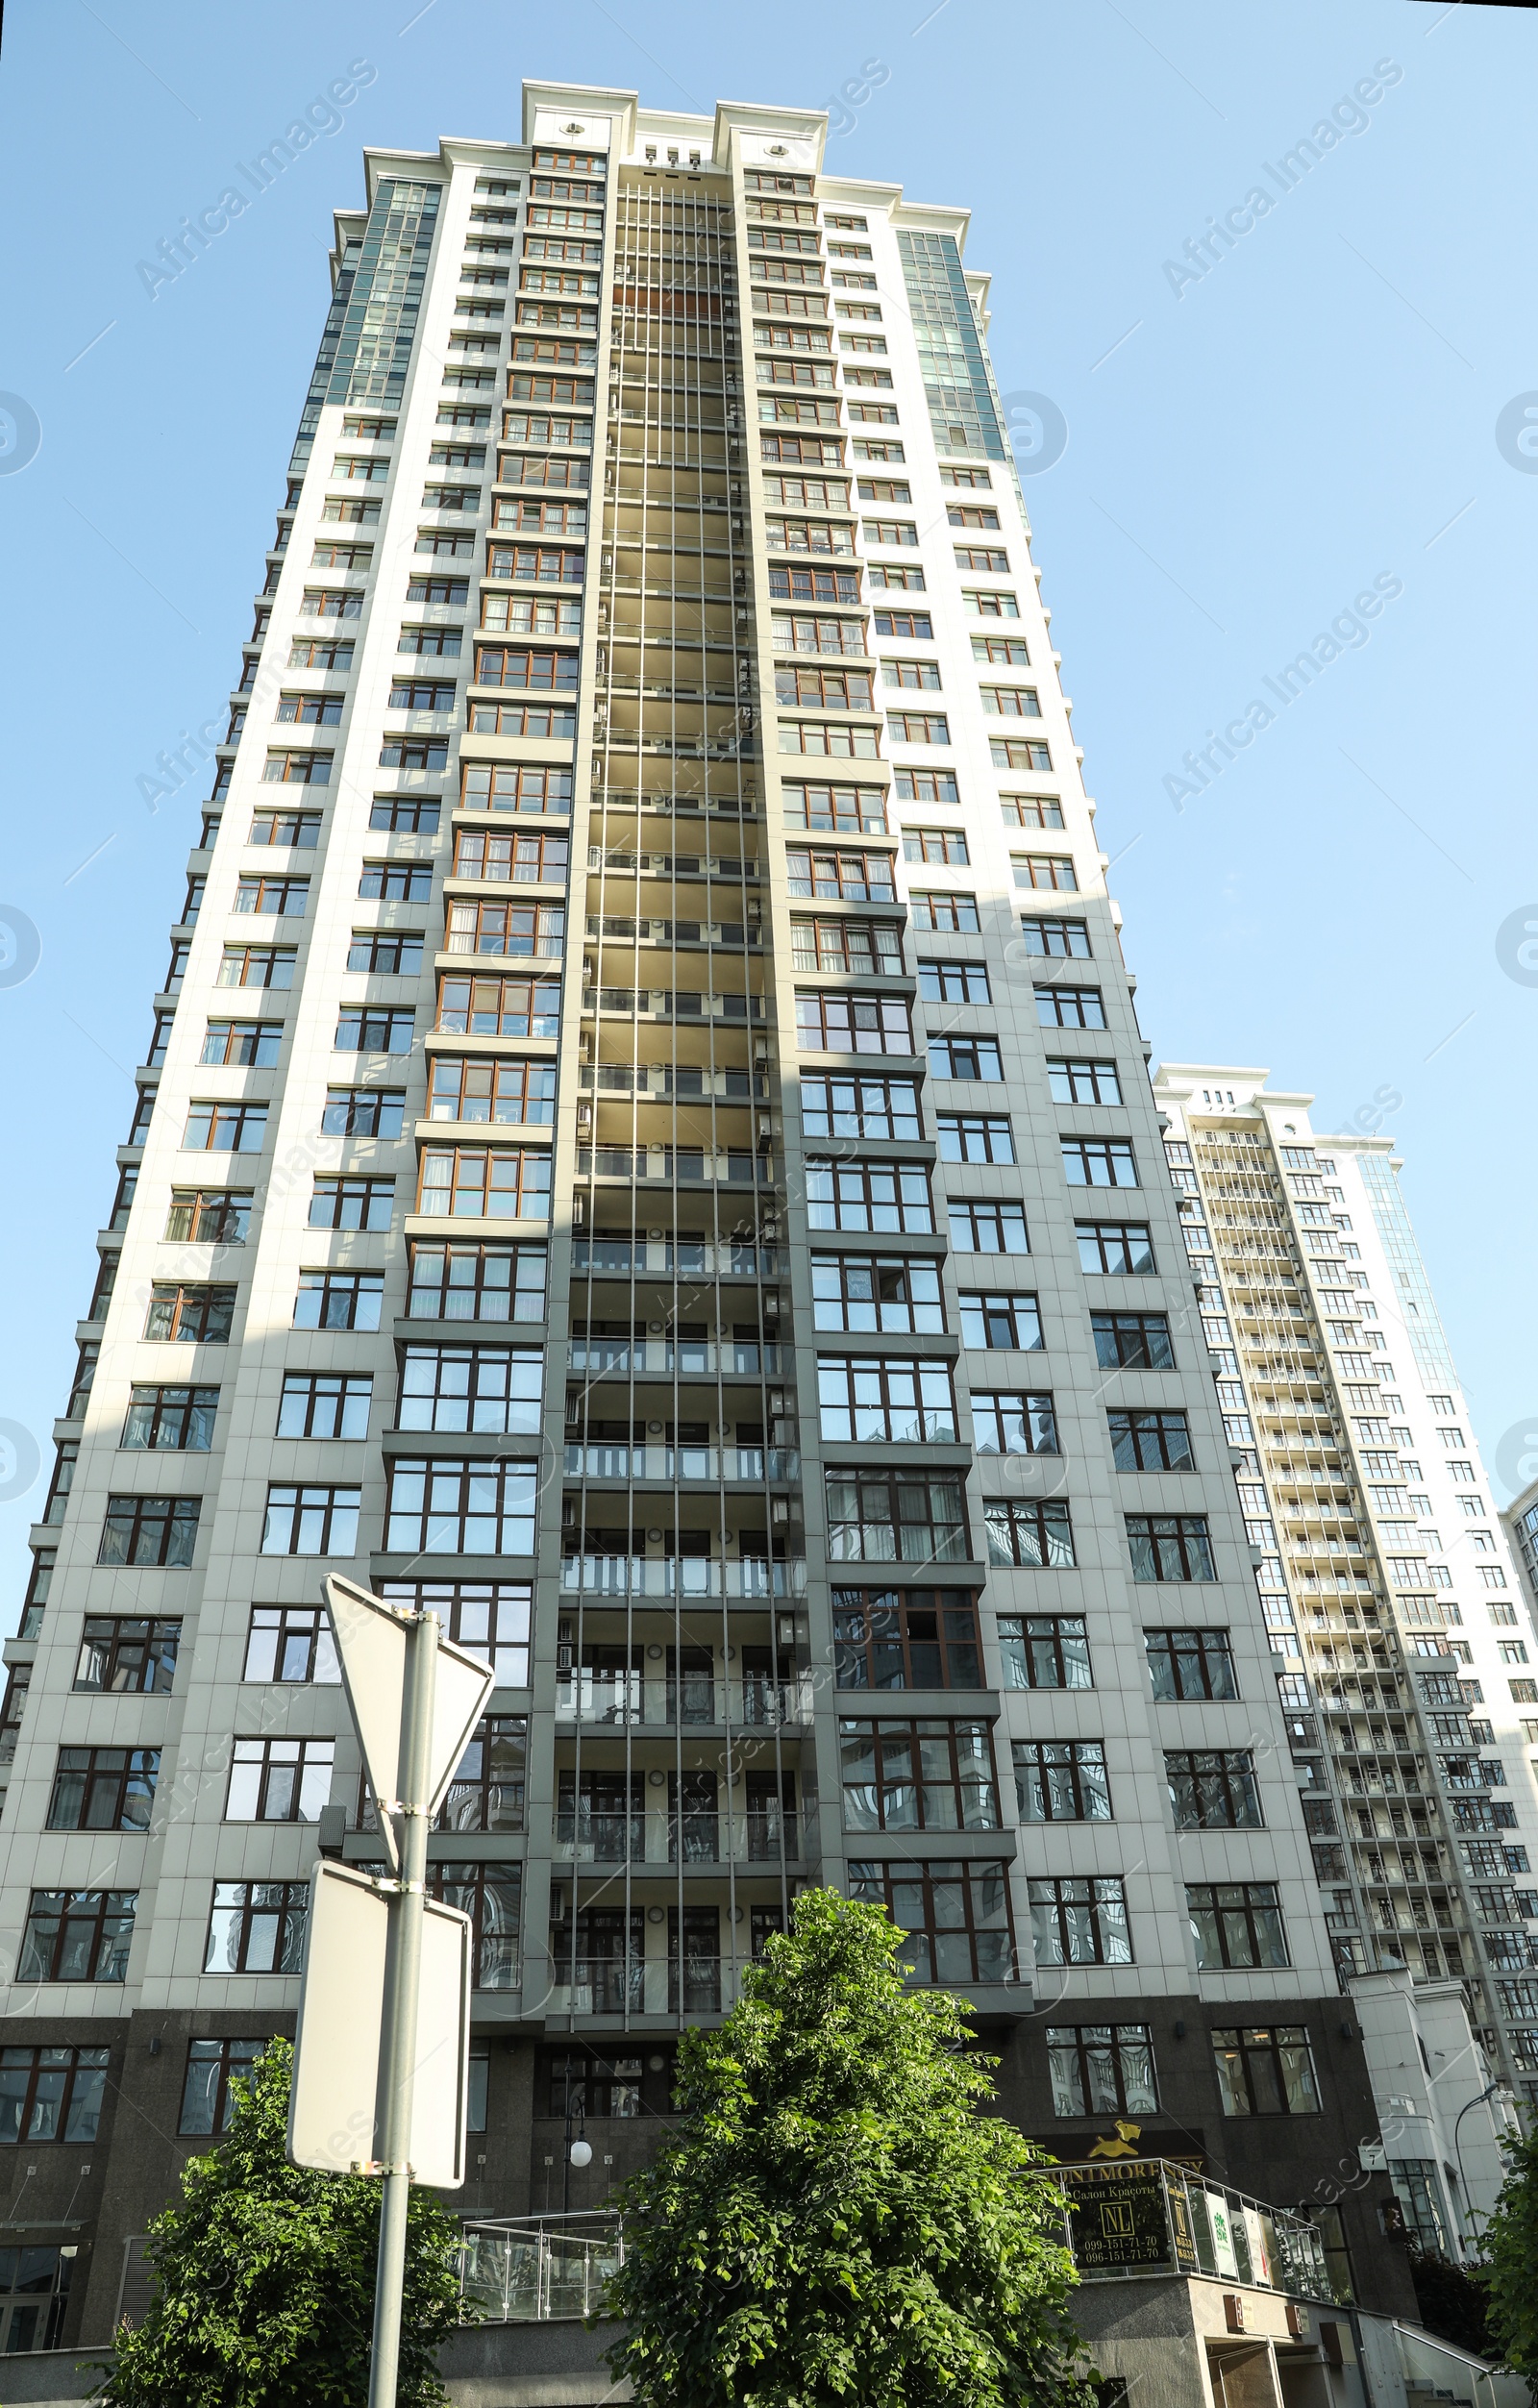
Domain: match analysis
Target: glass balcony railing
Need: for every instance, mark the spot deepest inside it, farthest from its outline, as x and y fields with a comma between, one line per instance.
x=625, y=1700
x=670, y=1354
x=590, y=1835
x=684, y=1463
x=735, y=1166
x=620, y=1985
x=536, y=2271
x=1145, y=2215
x=666, y=1255
x=683, y=1575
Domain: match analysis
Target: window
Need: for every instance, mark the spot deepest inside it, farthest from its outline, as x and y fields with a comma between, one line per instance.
x=492, y=1090
x=971, y=514
x=944, y=914
x=1235, y=1924
x=1044, y=1652
x=1212, y=1788
x=886, y=1292
x=449, y=1505
x=831, y=741
x=1170, y=1547
x=955, y=1914
x=310, y=1521
x=207, y=2101
x=1083, y=1082
x=149, y=1530
x=325, y=1404
x=310, y=711
x=1013, y=1421
x=853, y=1024
x=47, y=2094
x=1030, y=810
x=917, y=1776
x=352, y=1204
x=888, y=577
x=256, y=1928
x=990, y=1320
x=945, y=847
x=809, y=633
x=954, y=983
x=1265, y=2069
x=1133, y=1342
x=291, y=1643
x=860, y=1107
x=172, y=1421
x=500, y=1007
x=824, y=690
x=841, y=876
x=489, y=1893
x=1102, y=2070
x=393, y=955
x=235, y=1045
x=1124, y=1248
x=419, y=752
x=486, y=1793
x=396, y=882
x=128, y=1654
x=918, y=727
x=516, y=788
x=1190, y=1663
x=477, y=1283
x=278, y=1780
x=1080, y=1922
x=77, y=1935
x=988, y=1227
x=965, y=1058
x=854, y=948
x=896, y=1517
x=976, y=556
x=298, y=769
x=917, y=677
x=1512, y=1651
x=103, y=1789
x=471, y=1388
x=1060, y=940
x=1031, y=1532
x=362, y=1030
x=224, y=1128
x=491, y=1183
x=906, y=1639
x=1099, y=1162
x=975, y=1137
x=916, y=625
x=507, y=928
x=363, y=1112
x=489, y=1618
x=269, y=966
x=339, y=1300
x=520, y=858
x=886, y=1399
x=299, y=829
x=404, y=815
x=1145, y=1439
x=880, y=1197
x=836, y=810
x=1061, y=1780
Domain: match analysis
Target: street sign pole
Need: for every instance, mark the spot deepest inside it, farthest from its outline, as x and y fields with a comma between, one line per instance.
x=401, y=1981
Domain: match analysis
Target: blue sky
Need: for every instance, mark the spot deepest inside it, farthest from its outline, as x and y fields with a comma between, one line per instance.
x=1247, y=450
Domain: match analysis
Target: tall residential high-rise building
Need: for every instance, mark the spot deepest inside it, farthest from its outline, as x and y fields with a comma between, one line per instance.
x=1402, y=1631
x=645, y=1143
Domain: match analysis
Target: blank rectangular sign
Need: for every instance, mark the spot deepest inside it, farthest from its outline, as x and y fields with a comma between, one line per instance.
x=334, y=2117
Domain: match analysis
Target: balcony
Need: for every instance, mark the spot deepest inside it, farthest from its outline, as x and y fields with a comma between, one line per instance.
x=590, y=1835
x=687, y=1254
x=1145, y=2215
x=681, y=1575
x=714, y=1464
x=727, y=1166
x=624, y=1700
x=538, y=2270
x=657, y=1986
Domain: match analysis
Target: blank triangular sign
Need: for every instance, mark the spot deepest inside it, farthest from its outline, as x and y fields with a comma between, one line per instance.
x=371, y=1644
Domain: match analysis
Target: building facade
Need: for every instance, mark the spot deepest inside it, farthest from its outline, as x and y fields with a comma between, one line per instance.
x=645, y=1067
x=1402, y=1632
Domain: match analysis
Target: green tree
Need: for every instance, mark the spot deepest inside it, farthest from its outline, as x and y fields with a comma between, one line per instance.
x=837, y=2224
x=1509, y=2244
x=266, y=2278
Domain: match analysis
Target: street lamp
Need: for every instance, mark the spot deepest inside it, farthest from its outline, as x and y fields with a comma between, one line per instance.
x=1489, y=2091
x=579, y=2152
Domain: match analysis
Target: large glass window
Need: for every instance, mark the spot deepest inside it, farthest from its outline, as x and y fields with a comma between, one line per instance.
x=1214, y=1787
x=449, y=1505
x=896, y=1517
x=1191, y=1663
x=127, y=1652
x=906, y=1639
x=918, y=1777
x=472, y=1283
x=1061, y=1780
x=207, y=2101
x=1080, y=1920
x=877, y=1291
x=955, y=1915
x=256, y=1928
x=1170, y=1547
x=471, y=1388
x=886, y=1398
x=103, y=1789
x=77, y=1935
x=1045, y=1652
x=1236, y=1923
x=51, y=2093
x=1265, y=2069
x=1037, y=1533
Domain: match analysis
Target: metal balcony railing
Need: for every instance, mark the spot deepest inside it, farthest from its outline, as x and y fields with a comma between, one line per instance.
x=683, y=1575
x=1146, y=2215
x=619, y=1985
x=670, y=1354
x=684, y=1463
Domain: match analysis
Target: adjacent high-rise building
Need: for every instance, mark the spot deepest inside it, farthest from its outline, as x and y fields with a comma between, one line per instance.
x=645, y=1143
x=1401, y=1627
